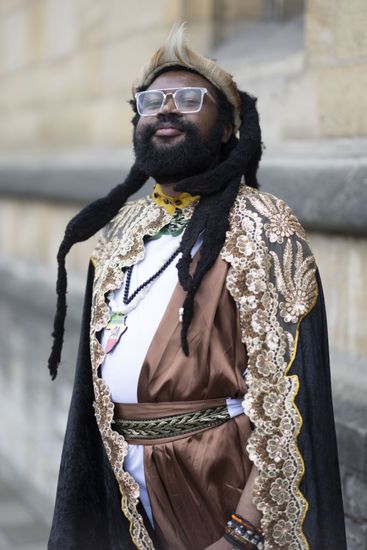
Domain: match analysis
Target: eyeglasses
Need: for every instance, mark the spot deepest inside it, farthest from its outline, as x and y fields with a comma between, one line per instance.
x=187, y=100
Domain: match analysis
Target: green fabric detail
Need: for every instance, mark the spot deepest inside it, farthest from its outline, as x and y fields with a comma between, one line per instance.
x=175, y=227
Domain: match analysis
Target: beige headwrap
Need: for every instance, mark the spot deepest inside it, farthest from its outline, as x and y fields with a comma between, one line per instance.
x=175, y=51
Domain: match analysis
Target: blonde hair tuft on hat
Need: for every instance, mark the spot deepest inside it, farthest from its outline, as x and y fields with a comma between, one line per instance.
x=175, y=51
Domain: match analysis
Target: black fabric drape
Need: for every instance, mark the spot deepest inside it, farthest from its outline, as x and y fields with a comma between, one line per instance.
x=88, y=512
x=324, y=523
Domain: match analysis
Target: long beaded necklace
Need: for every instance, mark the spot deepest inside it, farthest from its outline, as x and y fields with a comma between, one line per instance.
x=117, y=324
x=128, y=299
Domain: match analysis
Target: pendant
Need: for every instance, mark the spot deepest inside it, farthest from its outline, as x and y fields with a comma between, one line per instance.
x=116, y=328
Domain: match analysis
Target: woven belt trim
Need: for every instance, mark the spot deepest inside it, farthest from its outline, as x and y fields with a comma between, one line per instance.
x=171, y=426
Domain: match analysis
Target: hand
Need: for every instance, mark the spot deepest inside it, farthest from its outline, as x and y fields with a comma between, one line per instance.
x=221, y=544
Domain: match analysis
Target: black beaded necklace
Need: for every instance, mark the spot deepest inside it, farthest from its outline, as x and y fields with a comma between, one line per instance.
x=127, y=299
x=117, y=326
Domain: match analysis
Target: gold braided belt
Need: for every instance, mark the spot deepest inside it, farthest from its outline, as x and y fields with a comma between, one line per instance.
x=145, y=422
x=171, y=426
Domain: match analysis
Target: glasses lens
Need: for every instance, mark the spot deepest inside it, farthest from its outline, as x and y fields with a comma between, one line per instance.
x=150, y=102
x=189, y=100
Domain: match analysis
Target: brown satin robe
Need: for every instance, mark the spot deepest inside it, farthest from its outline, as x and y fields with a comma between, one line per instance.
x=195, y=481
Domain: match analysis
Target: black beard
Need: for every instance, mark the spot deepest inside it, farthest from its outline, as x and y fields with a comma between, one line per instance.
x=168, y=163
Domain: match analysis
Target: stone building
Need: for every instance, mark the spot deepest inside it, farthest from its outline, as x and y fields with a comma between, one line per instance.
x=66, y=70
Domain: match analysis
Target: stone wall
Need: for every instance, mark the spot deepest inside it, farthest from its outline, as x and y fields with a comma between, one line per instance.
x=65, y=74
x=350, y=416
x=33, y=410
x=331, y=88
x=66, y=68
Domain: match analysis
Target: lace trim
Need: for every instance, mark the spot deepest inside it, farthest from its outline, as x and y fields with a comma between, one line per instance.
x=272, y=280
x=116, y=249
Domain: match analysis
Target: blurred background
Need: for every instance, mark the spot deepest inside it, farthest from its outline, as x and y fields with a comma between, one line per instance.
x=66, y=69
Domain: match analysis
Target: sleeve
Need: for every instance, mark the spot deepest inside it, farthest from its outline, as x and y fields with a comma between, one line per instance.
x=324, y=522
x=87, y=512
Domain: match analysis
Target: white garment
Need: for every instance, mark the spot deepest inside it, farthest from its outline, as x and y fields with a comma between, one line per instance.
x=121, y=367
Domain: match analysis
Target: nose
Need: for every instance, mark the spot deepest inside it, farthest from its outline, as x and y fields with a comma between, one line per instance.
x=169, y=106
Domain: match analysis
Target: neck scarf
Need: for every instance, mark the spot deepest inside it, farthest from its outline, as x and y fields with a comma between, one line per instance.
x=169, y=203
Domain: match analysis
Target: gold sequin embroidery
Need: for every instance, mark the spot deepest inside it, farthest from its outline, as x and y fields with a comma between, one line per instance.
x=116, y=249
x=272, y=280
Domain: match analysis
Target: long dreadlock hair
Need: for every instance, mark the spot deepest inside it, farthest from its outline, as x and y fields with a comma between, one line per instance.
x=218, y=188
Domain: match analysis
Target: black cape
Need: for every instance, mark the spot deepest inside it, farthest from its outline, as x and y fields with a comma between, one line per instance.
x=88, y=514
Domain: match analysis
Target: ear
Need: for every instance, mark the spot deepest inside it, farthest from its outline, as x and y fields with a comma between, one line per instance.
x=227, y=132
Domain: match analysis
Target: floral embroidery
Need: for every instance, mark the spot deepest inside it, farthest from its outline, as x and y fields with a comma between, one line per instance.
x=282, y=222
x=291, y=511
x=255, y=280
x=273, y=405
x=265, y=363
x=116, y=249
x=282, y=532
x=276, y=449
x=298, y=288
x=272, y=280
x=274, y=286
x=279, y=491
x=259, y=322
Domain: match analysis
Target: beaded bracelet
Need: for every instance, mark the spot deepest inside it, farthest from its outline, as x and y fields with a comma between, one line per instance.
x=243, y=534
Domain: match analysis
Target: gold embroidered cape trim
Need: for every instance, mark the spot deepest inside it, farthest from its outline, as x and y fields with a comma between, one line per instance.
x=116, y=249
x=272, y=280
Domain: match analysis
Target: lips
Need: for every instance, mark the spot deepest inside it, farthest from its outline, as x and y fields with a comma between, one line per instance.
x=167, y=132
x=167, y=129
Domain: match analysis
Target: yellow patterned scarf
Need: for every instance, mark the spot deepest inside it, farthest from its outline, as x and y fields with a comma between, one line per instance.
x=169, y=203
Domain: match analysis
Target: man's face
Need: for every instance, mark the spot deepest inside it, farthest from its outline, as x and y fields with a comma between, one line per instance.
x=172, y=145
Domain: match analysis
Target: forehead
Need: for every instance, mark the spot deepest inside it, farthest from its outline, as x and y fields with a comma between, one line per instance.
x=178, y=79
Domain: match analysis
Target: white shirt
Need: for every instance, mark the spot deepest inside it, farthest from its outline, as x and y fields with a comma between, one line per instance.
x=122, y=366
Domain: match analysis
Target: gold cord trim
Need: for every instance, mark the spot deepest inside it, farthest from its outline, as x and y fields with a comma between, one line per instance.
x=298, y=412
x=117, y=248
x=172, y=426
x=272, y=281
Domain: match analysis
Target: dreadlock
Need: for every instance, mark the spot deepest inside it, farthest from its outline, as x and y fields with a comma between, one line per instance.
x=80, y=228
x=218, y=189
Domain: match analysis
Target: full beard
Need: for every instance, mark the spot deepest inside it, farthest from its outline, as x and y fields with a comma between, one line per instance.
x=166, y=162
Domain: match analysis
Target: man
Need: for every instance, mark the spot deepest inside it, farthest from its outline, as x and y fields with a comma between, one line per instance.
x=201, y=414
